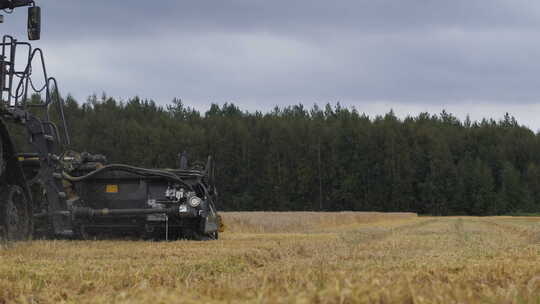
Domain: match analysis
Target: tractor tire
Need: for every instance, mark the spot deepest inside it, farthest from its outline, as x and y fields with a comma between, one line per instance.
x=15, y=214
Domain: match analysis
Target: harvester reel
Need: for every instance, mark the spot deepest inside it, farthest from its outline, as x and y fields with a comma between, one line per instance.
x=15, y=214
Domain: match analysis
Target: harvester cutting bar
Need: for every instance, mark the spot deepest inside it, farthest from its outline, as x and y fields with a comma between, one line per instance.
x=82, y=212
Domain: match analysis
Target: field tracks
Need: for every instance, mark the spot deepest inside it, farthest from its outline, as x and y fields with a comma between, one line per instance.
x=529, y=233
x=377, y=233
x=306, y=222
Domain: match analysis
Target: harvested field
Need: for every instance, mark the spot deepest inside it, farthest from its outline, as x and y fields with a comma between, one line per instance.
x=271, y=222
x=385, y=258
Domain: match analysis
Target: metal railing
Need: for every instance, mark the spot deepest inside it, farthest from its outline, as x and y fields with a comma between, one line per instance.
x=17, y=84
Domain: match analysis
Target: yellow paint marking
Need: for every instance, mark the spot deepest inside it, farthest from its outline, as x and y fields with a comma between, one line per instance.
x=111, y=189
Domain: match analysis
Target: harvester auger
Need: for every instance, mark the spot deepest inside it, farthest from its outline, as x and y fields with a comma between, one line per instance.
x=20, y=196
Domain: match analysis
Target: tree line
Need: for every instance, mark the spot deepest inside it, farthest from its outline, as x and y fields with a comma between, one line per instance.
x=325, y=158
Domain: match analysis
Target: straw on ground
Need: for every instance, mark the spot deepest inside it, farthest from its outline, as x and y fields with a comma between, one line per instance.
x=291, y=258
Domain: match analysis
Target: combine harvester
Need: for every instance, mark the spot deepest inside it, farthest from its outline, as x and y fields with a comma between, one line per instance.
x=55, y=193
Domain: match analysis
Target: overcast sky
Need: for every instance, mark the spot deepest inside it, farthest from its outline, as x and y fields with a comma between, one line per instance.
x=472, y=57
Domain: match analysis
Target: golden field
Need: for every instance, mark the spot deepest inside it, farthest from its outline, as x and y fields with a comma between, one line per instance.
x=291, y=258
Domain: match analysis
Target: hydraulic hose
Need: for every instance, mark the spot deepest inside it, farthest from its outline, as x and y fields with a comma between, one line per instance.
x=131, y=169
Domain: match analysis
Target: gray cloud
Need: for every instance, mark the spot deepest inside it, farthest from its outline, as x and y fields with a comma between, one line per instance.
x=417, y=54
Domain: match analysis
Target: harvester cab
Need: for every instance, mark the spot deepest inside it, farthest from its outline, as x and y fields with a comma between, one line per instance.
x=26, y=98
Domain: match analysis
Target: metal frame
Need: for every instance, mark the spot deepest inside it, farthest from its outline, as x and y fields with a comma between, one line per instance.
x=16, y=86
